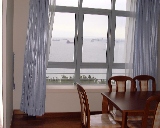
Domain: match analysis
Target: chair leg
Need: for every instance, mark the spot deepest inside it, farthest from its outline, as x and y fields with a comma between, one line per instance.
x=105, y=105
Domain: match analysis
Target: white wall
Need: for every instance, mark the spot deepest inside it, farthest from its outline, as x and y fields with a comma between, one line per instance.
x=1, y=45
x=19, y=36
x=7, y=62
x=56, y=100
x=68, y=100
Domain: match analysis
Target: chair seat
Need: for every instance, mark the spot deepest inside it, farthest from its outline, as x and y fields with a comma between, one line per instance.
x=134, y=124
x=138, y=123
x=103, y=121
x=116, y=114
x=134, y=117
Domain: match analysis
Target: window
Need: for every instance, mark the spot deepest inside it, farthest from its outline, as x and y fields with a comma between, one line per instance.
x=88, y=42
x=62, y=47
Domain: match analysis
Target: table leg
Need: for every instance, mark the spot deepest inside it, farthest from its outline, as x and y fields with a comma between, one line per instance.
x=105, y=105
x=124, y=119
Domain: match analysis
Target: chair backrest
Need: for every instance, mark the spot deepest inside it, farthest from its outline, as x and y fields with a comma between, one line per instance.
x=85, y=112
x=143, y=82
x=120, y=82
x=156, y=120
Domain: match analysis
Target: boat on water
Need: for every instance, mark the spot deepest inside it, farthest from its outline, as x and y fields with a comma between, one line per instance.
x=68, y=42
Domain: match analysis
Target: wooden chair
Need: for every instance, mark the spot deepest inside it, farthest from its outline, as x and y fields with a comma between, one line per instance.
x=121, y=84
x=143, y=82
x=147, y=122
x=93, y=121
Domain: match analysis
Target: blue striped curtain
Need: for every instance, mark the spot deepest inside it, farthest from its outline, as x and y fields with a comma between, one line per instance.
x=145, y=45
x=34, y=76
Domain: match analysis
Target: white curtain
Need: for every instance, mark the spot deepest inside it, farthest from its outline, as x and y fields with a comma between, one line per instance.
x=52, y=6
x=145, y=44
x=34, y=76
x=129, y=36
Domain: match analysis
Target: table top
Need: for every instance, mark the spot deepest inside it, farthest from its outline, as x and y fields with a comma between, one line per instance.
x=129, y=101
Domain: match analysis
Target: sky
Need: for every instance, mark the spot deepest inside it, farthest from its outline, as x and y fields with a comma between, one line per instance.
x=94, y=25
x=105, y=4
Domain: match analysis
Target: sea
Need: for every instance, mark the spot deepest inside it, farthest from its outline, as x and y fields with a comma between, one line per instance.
x=93, y=50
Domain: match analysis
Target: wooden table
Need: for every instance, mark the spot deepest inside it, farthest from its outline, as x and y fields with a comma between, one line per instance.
x=126, y=102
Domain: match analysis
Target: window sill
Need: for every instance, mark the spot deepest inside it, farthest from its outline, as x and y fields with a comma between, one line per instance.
x=72, y=88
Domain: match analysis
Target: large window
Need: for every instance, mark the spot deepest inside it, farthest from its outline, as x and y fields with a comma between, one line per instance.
x=88, y=42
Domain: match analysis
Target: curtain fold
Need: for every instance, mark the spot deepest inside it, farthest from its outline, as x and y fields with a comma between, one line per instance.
x=145, y=40
x=34, y=71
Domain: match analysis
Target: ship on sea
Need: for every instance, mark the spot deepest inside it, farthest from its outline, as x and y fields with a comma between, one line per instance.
x=68, y=42
x=97, y=39
x=55, y=39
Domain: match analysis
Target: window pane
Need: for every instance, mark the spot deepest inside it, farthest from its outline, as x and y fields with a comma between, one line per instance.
x=119, y=49
x=118, y=72
x=103, y=4
x=93, y=76
x=94, y=38
x=60, y=76
x=62, y=45
x=120, y=5
x=73, y=3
